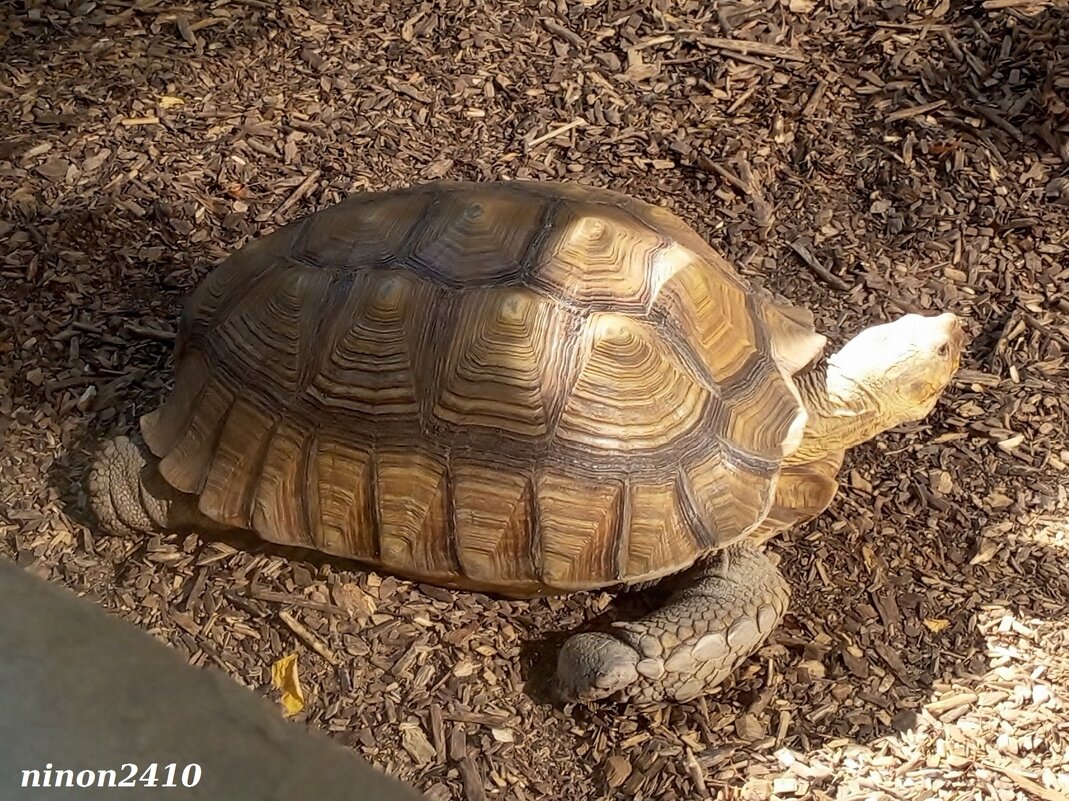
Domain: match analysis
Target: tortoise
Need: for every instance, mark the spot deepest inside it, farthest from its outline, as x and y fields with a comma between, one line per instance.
x=520, y=388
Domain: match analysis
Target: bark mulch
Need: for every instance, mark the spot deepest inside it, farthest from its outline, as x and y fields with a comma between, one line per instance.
x=862, y=158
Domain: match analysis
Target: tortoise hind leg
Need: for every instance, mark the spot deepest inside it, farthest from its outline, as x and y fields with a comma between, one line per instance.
x=129, y=496
x=687, y=647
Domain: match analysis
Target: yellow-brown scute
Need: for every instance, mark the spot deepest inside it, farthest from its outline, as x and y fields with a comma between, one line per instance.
x=514, y=387
x=630, y=394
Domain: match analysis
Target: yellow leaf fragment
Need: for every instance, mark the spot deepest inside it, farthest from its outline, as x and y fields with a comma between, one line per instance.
x=169, y=101
x=284, y=677
x=936, y=624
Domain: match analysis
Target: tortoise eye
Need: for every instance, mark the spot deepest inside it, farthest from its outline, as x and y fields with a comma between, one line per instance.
x=944, y=350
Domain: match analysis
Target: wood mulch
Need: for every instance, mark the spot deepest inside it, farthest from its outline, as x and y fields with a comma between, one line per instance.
x=862, y=158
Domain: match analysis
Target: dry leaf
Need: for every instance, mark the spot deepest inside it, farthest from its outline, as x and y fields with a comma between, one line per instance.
x=617, y=769
x=936, y=624
x=503, y=735
x=284, y=677
x=168, y=101
x=416, y=743
x=802, y=6
x=985, y=552
x=353, y=599
x=463, y=668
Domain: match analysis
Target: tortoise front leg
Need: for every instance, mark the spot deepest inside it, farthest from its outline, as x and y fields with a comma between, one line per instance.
x=129, y=496
x=687, y=647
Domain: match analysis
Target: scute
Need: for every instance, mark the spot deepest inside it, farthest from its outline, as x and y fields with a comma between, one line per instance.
x=416, y=522
x=518, y=387
x=660, y=541
x=496, y=373
x=366, y=364
x=728, y=497
x=580, y=522
x=630, y=395
x=495, y=524
x=285, y=502
x=481, y=236
x=362, y=231
x=711, y=318
x=598, y=257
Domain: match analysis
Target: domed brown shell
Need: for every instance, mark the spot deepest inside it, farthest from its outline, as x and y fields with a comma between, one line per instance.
x=517, y=387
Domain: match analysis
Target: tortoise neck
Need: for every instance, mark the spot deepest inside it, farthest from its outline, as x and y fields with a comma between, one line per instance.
x=842, y=413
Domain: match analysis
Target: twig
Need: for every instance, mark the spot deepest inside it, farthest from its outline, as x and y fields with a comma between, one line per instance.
x=914, y=111
x=564, y=33
x=72, y=381
x=1045, y=330
x=87, y=328
x=746, y=47
x=998, y=5
x=755, y=60
x=994, y=118
x=913, y=26
x=302, y=190
x=471, y=779
x=697, y=775
x=150, y=333
x=283, y=598
x=815, y=97
x=952, y=43
x=562, y=129
x=709, y=165
x=819, y=269
x=309, y=639
x=900, y=304
x=1022, y=781
x=653, y=41
x=762, y=209
x=1011, y=323
x=725, y=22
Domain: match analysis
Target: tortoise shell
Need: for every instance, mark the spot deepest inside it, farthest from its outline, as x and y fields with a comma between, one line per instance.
x=516, y=387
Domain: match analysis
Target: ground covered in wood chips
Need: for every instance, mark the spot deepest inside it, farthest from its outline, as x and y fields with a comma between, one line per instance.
x=863, y=158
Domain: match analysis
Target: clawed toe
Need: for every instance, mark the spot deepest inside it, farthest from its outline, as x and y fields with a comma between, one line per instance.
x=593, y=666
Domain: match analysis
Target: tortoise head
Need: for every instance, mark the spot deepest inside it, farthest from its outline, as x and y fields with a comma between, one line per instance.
x=901, y=367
